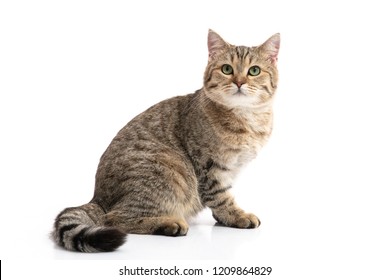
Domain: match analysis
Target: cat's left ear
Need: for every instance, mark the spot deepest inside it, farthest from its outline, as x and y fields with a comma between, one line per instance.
x=215, y=44
x=271, y=48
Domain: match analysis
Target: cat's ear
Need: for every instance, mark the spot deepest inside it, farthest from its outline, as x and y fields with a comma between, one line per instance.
x=271, y=48
x=215, y=44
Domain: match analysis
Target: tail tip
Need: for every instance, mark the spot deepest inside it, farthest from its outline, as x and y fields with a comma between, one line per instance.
x=107, y=239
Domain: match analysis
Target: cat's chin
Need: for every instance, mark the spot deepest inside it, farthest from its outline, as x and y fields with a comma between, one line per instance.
x=238, y=100
x=242, y=100
x=239, y=93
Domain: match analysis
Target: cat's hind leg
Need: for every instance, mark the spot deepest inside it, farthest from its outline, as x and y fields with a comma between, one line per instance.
x=164, y=225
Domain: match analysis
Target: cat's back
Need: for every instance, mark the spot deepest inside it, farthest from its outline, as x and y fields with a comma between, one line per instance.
x=146, y=150
x=159, y=124
x=153, y=133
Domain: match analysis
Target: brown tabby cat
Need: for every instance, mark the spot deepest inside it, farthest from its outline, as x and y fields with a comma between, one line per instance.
x=181, y=155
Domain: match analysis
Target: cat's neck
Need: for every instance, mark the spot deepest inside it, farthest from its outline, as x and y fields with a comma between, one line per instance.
x=252, y=120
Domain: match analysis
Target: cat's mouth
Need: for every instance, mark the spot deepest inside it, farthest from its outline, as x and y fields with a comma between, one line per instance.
x=239, y=92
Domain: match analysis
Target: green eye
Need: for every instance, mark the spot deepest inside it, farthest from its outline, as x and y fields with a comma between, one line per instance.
x=254, y=71
x=227, y=69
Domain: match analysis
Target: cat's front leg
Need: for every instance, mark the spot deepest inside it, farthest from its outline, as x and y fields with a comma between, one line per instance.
x=226, y=211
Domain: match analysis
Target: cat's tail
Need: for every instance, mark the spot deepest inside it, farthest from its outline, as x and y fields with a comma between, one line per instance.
x=81, y=229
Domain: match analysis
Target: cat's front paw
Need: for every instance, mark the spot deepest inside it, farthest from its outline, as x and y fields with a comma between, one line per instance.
x=246, y=220
x=243, y=220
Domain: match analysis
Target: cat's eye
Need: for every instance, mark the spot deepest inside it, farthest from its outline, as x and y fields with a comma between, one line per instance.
x=227, y=69
x=254, y=71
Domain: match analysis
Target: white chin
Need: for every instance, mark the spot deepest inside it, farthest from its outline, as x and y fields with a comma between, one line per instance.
x=241, y=100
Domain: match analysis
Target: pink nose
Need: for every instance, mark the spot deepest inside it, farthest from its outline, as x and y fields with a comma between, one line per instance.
x=239, y=84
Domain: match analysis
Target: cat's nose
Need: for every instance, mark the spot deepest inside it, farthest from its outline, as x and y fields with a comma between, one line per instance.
x=239, y=83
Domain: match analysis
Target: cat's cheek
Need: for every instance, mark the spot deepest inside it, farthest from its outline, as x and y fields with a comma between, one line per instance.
x=214, y=96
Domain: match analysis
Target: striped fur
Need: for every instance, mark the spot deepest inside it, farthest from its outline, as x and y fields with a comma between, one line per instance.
x=78, y=229
x=180, y=156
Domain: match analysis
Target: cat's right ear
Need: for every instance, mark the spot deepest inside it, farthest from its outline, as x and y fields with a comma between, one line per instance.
x=215, y=44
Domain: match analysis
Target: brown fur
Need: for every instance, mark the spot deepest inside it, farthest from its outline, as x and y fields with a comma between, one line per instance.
x=180, y=155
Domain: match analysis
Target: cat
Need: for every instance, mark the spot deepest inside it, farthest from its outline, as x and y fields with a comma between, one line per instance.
x=181, y=155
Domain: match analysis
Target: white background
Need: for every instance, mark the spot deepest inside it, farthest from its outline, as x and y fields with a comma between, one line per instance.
x=72, y=73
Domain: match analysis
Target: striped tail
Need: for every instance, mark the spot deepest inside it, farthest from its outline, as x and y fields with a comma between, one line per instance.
x=80, y=229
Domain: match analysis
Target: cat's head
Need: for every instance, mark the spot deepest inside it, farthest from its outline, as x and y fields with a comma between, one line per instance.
x=239, y=76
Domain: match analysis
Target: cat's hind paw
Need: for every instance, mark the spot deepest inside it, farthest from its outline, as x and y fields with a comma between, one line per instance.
x=172, y=227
